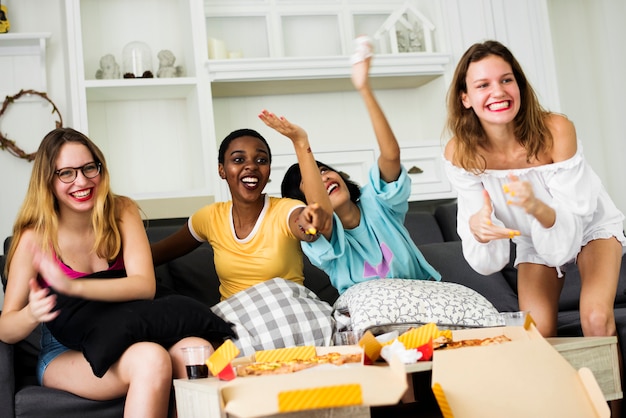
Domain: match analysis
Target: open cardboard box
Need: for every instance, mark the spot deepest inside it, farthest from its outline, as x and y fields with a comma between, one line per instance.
x=523, y=378
x=315, y=388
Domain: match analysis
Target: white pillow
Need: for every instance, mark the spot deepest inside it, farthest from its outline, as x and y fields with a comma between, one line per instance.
x=382, y=305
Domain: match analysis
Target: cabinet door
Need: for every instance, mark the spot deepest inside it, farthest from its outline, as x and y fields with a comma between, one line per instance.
x=154, y=128
x=424, y=165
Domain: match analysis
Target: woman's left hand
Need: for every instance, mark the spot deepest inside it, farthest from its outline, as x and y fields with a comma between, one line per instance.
x=520, y=193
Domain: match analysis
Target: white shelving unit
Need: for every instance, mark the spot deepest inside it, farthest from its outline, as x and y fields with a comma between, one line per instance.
x=295, y=57
x=23, y=62
x=249, y=77
x=161, y=136
x=155, y=132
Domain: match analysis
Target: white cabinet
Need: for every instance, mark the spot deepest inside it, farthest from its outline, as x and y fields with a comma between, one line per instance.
x=293, y=58
x=156, y=133
x=424, y=165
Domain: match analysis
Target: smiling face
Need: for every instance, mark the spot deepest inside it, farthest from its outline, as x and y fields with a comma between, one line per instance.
x=336, y=187
x=492, y=91
x=246, y=167
x=80, y=194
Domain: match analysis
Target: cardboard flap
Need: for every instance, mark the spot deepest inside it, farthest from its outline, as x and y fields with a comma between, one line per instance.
x=522, y=378
x=324, y=397
x=258, y=396
x=286, y=354
x=595, y=393
x=444, y=406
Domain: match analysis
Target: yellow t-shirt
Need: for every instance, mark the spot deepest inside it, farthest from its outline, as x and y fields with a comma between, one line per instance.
x=271, y=250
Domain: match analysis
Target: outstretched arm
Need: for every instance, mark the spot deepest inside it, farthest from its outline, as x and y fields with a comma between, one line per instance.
x=319, y=211
x=389, y=159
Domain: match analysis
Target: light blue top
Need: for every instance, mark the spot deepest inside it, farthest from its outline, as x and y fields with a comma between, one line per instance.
x=380, y=246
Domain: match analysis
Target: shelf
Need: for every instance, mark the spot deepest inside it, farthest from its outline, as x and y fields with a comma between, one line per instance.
x=139, y=88
x=253, y=77
x=23, y=43
x=23, y=62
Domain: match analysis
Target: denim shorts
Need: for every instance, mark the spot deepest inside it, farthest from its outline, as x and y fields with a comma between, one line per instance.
x=50, y=349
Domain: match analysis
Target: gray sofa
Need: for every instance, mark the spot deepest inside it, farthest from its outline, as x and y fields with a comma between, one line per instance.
x=433, y=230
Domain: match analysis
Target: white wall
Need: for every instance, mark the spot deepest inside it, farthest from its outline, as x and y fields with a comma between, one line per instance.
x=27, y=122
x=588, y=39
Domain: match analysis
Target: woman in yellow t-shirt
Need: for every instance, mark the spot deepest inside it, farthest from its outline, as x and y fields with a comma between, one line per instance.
x=254, y=237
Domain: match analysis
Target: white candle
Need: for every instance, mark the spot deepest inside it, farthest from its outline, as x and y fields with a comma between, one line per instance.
x=217, y=49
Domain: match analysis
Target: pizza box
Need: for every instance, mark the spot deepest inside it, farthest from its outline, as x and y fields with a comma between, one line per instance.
x=317, y=388
x=525, y=377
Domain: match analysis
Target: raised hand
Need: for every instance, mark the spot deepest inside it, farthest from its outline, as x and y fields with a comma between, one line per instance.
x=361, y=60
x=483, y=229
x=317, y=216
x=283, y=126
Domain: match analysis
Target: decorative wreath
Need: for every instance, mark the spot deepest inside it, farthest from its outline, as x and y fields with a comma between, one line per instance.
x=9, y=144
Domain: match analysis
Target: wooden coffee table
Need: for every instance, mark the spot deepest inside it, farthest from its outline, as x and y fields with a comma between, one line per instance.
x=201, y=397
x=599, y=354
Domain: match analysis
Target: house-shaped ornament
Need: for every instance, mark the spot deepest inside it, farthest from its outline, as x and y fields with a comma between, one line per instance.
x=405, y=30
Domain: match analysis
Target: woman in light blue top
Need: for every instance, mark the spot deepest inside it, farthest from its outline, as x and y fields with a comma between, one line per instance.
x=367, y=238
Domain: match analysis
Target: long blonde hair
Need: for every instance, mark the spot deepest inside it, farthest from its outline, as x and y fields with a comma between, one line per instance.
x=530, y=122
x=40, y=208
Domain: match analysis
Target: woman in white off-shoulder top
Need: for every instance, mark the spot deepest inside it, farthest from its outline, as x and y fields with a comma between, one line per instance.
x=520, y=174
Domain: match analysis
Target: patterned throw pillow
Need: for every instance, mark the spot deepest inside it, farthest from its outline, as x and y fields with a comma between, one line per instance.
x=277, y=313
x=383, y=305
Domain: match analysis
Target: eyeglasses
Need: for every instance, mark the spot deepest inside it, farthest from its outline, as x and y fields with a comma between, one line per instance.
x=68, y=174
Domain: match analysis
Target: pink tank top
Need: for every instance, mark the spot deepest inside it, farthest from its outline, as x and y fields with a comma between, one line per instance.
x=117, y=264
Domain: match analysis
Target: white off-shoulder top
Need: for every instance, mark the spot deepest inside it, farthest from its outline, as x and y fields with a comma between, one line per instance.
x=584, y=212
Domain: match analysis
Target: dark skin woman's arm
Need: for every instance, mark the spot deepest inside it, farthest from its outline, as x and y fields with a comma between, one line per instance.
x=176, y=245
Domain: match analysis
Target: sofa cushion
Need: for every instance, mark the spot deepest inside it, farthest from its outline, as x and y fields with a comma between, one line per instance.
x=445, y=214
x=319, y=283
x=38, y=401
x=194, y=275
x=4, y=281
x=447, y=258
x=104, y=330
x=277, y=313
x=568, y=323
x=381, y=305
x=7, y=244
x=422, y=227
x=570, y=295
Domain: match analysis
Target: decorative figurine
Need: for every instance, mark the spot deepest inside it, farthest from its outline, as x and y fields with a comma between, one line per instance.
x=5, y=25
x=108, y=68
x=166, y=65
